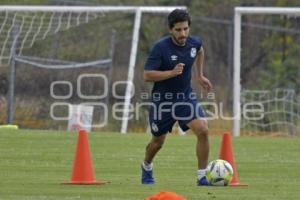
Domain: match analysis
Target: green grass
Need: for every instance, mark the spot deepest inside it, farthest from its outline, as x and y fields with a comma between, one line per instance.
x=34, y=163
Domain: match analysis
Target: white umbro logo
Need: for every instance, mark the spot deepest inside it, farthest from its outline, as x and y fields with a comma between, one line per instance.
x=174, y=57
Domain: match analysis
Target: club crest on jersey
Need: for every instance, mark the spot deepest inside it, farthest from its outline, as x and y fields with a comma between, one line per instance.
x=174, y=57
x=154, y=127
x=193, y=52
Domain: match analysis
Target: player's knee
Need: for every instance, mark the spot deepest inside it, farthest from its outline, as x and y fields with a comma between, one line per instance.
x=201, y=130
x=159, y=141
x=155, y=144
x=160, y=145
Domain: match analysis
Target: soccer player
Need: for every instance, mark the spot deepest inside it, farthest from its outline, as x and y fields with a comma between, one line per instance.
x=169, y=66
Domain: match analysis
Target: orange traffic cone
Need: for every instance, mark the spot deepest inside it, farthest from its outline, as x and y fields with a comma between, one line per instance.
x=165, y=195
x=226, y=153
x=83, y=172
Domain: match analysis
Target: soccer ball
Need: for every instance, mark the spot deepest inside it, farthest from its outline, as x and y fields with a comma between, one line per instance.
x=219, y=173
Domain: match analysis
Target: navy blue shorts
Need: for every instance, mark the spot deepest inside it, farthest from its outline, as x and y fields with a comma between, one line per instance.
x=163, y=115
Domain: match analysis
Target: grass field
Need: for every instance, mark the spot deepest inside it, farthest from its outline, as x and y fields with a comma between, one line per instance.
x=34, y=163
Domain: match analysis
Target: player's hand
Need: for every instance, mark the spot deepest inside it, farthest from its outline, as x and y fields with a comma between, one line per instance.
x=205, y=83
x=178, y=69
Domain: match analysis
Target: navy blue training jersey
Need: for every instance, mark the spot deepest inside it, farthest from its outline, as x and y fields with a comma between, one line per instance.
x=165, y=55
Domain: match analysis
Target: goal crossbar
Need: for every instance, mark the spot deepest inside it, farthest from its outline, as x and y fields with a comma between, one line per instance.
x=133, y=9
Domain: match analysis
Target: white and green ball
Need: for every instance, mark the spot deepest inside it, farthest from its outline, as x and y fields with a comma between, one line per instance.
x=219, y=173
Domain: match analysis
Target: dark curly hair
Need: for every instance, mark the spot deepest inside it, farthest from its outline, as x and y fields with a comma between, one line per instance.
x=178, y=15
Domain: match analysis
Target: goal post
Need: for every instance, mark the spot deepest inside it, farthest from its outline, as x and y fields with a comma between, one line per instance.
x=238, y=13
x=132, y=62
x=136, y=10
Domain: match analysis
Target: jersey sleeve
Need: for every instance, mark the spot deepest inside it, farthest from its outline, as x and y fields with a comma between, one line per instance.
x=199, y=43
x=154, y=59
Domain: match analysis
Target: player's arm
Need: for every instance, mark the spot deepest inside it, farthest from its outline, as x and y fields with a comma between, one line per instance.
x=155, y=75
x=204, y=82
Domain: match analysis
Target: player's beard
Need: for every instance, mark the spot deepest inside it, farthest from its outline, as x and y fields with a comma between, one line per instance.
x=179, y=41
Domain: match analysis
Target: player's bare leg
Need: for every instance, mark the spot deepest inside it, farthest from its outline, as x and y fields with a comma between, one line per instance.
x=153, y=147
x=200, y=129
x=147, y=167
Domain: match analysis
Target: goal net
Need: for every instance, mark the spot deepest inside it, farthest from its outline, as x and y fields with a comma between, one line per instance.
x=266, y=72
x=52, y=57
x=275, y=111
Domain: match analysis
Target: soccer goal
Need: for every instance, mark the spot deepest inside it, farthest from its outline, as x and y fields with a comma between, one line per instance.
x=60, y=55
x=274, y=97
x=278, y=111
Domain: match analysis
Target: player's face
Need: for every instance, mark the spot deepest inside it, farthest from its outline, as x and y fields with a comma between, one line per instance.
x=180, y=32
